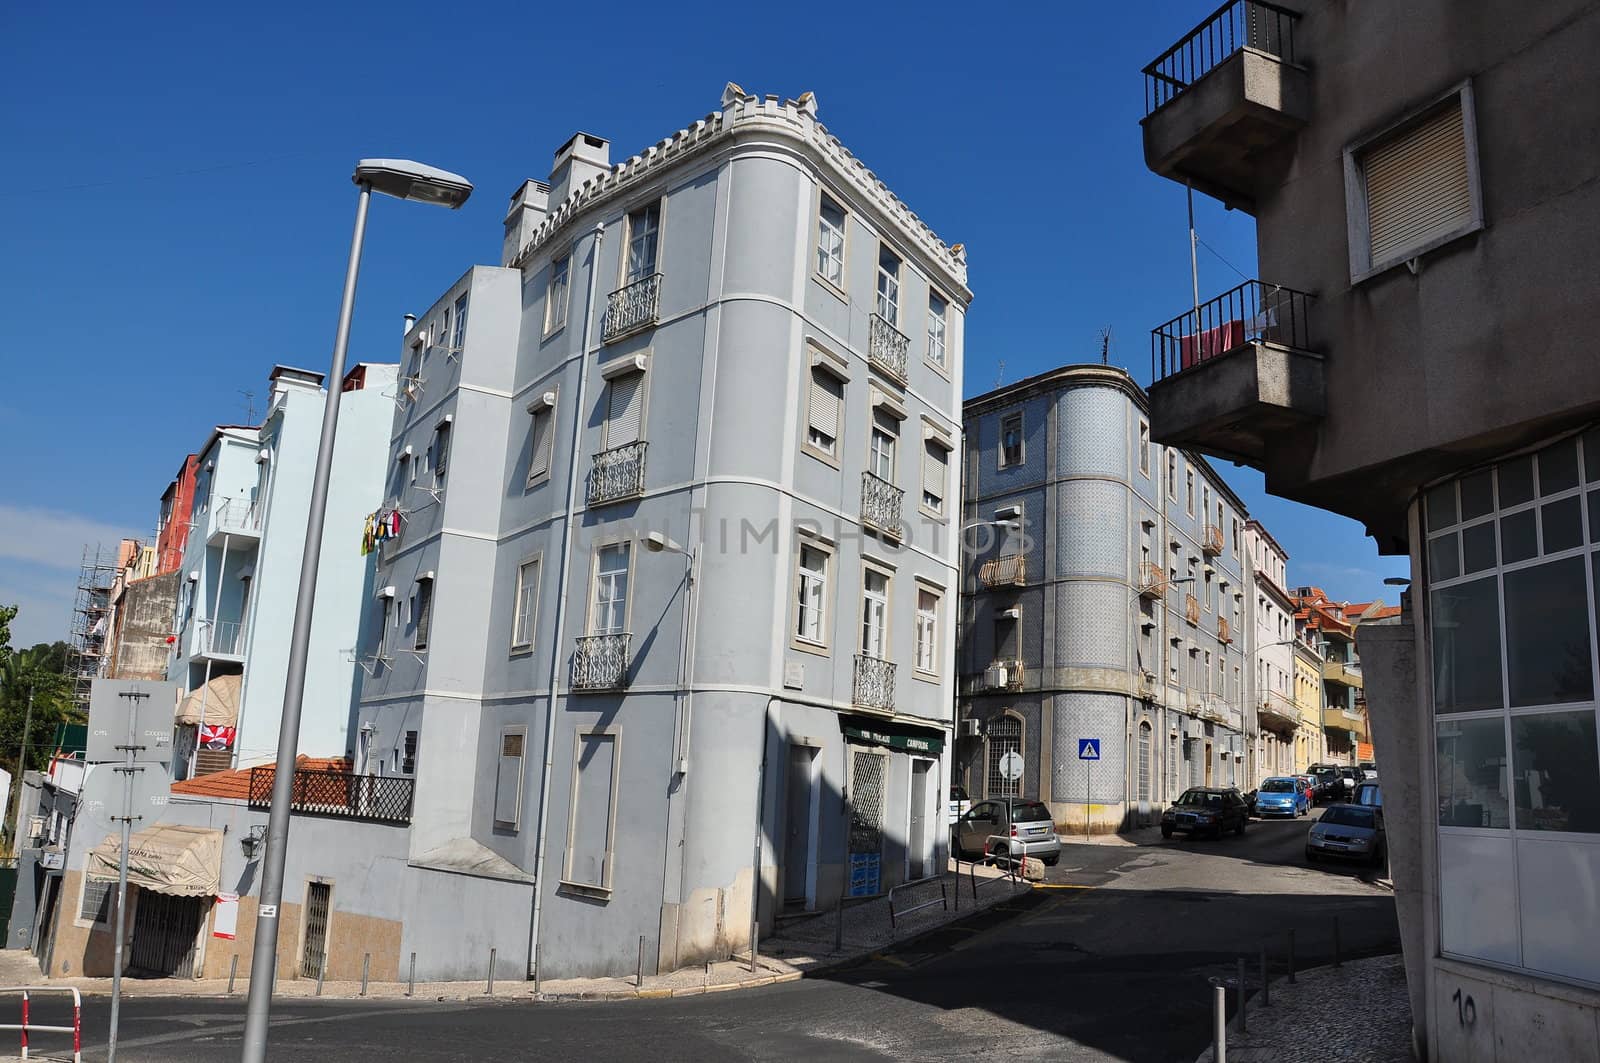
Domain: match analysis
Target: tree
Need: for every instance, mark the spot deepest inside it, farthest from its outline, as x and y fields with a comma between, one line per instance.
x=8, y=613
x=42, y=671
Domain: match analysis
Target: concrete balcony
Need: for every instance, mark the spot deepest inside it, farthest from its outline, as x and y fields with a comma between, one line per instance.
x=1152, y=580
x=600, y=662
x=236, y=518
x=872, y=684
x=1211, y=540
x=1004, y=572
x=1344, y=673
x=1224, y=630
x=1223, y=103
x=1277, y=713
x=1236, y=374
x=880, y=505
x=1005, y=674
x=887, y=347
x=617, y=474
x=1191, y=608
x=1335, y=718
x=631, y=308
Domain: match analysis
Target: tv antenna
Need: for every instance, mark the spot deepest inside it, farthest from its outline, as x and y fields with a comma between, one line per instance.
x=1000, y=373
x=249, y=406
x=1105, y=345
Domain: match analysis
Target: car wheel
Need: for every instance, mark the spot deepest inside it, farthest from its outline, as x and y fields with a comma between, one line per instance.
x=1166, y=832
x=999, y=853
x=1051, y=861
x=1243, y=823
x=1311, y=857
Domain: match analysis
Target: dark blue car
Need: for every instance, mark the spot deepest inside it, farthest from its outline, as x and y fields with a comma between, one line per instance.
x=1282, y=795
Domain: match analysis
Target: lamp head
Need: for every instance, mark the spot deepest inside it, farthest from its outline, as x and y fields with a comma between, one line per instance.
x=656, y=542
x=404, y=179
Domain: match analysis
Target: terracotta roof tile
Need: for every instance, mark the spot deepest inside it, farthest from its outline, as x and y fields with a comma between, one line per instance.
x=235, y=784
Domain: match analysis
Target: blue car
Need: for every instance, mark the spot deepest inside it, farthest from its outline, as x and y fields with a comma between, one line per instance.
x=1282, y=796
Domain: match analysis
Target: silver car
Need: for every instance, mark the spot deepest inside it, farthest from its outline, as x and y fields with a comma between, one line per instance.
x=1004, y=828
x=1349, y=831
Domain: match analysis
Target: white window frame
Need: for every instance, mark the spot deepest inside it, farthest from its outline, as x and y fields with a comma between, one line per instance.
x=1022, y=440
x=822, y=360
x=513, y=825
x=458, y=339
x=890, y=286
x=868, y=600
x=408, y=758
x=568, y=883
x=881, y=453
x=387, y=620
x=829, y=553
x=625, y=260
x=935, y=441
x=938, y=338
x=1144, y=447
x=637, y=365
x=823, y=257
x=927, y=632
x=544, y=406
x=558, y=299
x=600, y=548
x=1188, y=490
x=525, y=606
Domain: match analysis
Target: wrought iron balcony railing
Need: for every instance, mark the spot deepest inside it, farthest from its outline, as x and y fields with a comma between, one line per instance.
x=1254, y=312
x=386, y=799
x=887, y=347
x=600, y=662
x=632, y=307
x=1236, y=24
x=1004, y=571
x=872, y=686
x=1211, y=540
x=1152, y=580
x=617, y=474
x=880, y=504
x=1191, y=608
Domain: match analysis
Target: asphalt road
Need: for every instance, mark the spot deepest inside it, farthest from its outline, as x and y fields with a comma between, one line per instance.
x=1110, y=964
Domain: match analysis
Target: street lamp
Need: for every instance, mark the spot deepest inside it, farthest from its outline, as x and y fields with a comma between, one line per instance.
x=401, y=179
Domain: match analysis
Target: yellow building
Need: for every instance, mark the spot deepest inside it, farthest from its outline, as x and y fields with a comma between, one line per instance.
x=1308, y=746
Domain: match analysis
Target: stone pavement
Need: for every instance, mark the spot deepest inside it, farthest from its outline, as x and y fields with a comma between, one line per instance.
x=1357, y=1013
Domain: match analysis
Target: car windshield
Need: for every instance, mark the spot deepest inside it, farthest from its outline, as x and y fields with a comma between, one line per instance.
x=1278, y=786
x=1028, y=812
x=1348, y=816
x=1201, y=798
x=958, y=793
x=1323, y=773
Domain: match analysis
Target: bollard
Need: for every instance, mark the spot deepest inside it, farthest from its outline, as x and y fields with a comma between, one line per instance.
x=366, y=966
x=958, y=881
x=322, y=971
x=755, y=946
x=1291, y=957
x=638, y=977
x=1336, y=960
x=538, y=973
x=1219, y=1023
x=1242, y=1026
x=490, y=988
x=411, y=980
x=233, y=969
x=708, y=973
x=1266, y=981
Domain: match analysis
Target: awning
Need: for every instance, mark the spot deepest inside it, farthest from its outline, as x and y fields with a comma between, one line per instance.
x=894, y=734
x=221, y=700
x=181, y=861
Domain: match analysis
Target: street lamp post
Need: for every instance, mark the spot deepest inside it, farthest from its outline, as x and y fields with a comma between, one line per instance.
x=401, y=179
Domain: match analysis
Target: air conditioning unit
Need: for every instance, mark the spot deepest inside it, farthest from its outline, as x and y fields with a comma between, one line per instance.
x=970, y=728
x=994, y=677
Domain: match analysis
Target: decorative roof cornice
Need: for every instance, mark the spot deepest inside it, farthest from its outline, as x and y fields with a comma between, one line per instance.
x=743, y=115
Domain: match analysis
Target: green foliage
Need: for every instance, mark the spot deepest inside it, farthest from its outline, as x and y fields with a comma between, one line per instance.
x=41, y=670
x=8, y=613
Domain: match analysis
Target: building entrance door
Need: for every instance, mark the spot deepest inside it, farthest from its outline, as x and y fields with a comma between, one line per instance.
x=797, y=840
x=165, y=931
x=918, y=835
x=1208, y=763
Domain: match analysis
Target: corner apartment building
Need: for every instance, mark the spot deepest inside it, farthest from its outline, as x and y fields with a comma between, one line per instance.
x=241, y=568
x=676, y=563
x=1278, y=740
x=1333, y=637
x=1418, y=355
x=1107, y=592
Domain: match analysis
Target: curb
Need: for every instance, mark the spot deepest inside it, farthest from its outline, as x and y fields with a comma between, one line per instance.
x=666, y=994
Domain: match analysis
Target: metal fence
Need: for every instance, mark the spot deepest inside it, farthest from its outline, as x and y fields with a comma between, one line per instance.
x=386, y=799
x=1235, y=25
x=1254, y=312
x=632, y=307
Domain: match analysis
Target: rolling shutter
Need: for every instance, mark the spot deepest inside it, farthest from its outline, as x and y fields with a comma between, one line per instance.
x=1417, y=185
x=539, y=460
x=624, y=409
x=935, y=466
x=822, y=410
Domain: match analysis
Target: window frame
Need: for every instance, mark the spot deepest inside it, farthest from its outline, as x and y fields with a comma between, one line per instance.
x=942, y=365
x=458, y=335
x=422, y=613
x=822, y=360
x=555, y=321
x=410, y=742
x=531, y=617
x=823, y=645
x=513, y=826
x=869, y=566
x=1144, y=447
x=624, y=259
x=636, y=366
x=443, y=430
x=935, y=441
x=1022, y=441
x=596, y=549
x=836, y=287
x=110, y=902
x=1172, y=475
x=880, y=427
x=922, y=587
x=891, y=299
x=568, y=883
x=547, y=404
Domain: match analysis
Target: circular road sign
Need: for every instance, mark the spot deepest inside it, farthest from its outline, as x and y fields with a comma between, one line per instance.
x=1011, y=766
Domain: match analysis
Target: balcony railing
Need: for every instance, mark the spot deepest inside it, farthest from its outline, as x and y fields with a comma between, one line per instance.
x=1212, y=541
x=386, y=799
x=1224, y=630
x=600, y=662
x=1013, y=675
x=887, y=347
x=1152, y=580
x=236, y=516
x=1235, y=25
x=617, y=473
x=632, y=307
x=872, y=686
x=1004, y=571
x=880, y=504
x=1345, y=673
x=1191, y=608
x=224, y=638
x=1254, y=312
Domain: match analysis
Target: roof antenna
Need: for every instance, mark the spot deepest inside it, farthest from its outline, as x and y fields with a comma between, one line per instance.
x=1000, y=373
x=249, y=406
x=1105, y=345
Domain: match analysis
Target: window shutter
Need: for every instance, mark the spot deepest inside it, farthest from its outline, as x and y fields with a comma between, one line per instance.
x=934, y=470
x=424, y=618
x=508, y=782
x=539, y=462
x=1417, y=184
x=626, y=406
x=823, y=409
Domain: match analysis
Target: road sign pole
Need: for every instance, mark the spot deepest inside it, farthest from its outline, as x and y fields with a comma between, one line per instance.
x=132, y=697
x=1088, y=773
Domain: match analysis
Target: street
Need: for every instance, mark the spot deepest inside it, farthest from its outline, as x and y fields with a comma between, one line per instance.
x=1109, y=962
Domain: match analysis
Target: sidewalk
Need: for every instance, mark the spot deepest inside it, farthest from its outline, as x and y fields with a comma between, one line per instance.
x=1357, y=1013
x=802, y=946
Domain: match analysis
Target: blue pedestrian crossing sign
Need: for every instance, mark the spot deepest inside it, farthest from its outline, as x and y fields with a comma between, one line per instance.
x=1088, y=749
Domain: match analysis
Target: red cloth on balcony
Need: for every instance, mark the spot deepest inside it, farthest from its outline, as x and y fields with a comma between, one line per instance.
x=1212, y=342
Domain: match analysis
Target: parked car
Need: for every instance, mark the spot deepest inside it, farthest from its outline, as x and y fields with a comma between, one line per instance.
x=1348, y=831
x=1282, y=795
x=1330, y=784
x=1370, y=793
x=1309, y=783
x=959, y=804
x=1351, y=776
x=1368, y=769
x=1209, y=810
x=1007, y=828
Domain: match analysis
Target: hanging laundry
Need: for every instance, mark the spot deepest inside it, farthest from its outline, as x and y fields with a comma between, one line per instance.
x=367, y=535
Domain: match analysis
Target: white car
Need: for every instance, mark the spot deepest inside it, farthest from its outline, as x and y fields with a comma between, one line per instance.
x=958, y=802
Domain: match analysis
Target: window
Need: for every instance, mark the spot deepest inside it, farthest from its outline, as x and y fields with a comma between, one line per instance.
x=888, y=285
x=1144, y=760
x=422, y=611
x=830, y=242
x=1144, y=448
x=459, y=340
x=624, y=410
x=555, y=300
x=1188, y=491
x=644, y=237
x=1172, y=476
x=927, y=631
x=408, y=758
x=525, y=616
x=1011, y=447
x=1005, y=636
x=1235, y=536
x=1205, y=502
x=875, y=614
x=811, y=595
x=1413, y=188
x=880, y=460
x=508, y=781
x=385, y=614
x=439, y=454
x=938, y=325
x=541, y=438
x=439, y=335
x=609, y=612
x=935, y=474
x=1005, y=736
x=823, y=404
x=593, y=822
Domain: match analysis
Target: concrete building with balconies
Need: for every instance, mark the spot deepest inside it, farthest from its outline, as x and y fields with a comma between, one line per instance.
x=1418, y=355
x=1106, y=589
x=666, y=633
x=1271, y=670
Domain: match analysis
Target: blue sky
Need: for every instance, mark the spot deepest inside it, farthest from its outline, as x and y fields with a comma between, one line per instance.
x=180, y=204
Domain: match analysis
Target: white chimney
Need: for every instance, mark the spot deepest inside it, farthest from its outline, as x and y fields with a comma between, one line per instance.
x=529, y=205
x=411, y=323
x=579, y=159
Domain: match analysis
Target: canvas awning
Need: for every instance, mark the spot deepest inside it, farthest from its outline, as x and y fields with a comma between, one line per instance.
x=181, y=861
x=219, y=699
x=894, y=734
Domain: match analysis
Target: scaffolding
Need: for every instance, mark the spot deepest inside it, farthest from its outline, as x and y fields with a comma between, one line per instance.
x=91, y=621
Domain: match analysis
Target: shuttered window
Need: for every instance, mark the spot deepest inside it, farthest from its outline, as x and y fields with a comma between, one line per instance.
x=508, y=782
x=822, y=411
x=935, y=474
x=423, y=612
x=540, y=438
x=624, y=409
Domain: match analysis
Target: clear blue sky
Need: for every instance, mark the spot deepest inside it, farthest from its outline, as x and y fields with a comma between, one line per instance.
x=179, y=203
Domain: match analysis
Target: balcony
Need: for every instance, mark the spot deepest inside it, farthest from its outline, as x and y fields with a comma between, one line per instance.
x=631, y=308
x=1345, y=673
x=872, y=685
x=1211, y=540
x=1009, y=571
x=1152, y=580
x=1191, y=608
x=1223, y=103
x=1236, y=374
x=1003, y=675
x=234, y=517
x=1277, y=713
x=887, y=347
x=1335, y=718
x=223, y=640
x=1224, y=630
x=880, y=505
x=617, y=474
x=600, y=662
x=385, y=799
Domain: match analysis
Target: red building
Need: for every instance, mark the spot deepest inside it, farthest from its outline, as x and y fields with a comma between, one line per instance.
x=172, y=533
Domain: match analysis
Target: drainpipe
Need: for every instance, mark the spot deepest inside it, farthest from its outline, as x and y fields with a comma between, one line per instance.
x=761, y=828
x=540, y=845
